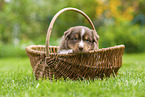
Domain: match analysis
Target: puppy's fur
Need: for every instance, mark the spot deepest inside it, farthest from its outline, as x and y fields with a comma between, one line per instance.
x=78, y=39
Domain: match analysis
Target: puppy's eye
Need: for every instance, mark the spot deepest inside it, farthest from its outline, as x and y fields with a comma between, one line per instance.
x=75, y=39
x=88, y=40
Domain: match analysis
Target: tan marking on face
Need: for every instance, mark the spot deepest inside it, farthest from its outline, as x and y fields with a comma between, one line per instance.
x=86, y=37
x=76, y=36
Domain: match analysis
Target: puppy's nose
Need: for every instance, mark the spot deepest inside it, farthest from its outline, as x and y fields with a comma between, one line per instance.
x=80, y=48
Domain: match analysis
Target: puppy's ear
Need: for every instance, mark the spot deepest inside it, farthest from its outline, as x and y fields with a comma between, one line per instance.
x=67, y=33
x=95, y=39
x=95, y=36
x=64, y=41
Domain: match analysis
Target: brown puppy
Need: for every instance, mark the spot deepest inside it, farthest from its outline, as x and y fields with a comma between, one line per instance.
x=78, y=39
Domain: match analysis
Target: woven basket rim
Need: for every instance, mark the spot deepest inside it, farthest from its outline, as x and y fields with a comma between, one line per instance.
x=30, y=49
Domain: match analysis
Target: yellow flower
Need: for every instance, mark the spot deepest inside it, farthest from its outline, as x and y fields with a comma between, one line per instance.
x=99, y=10
x=130, y=9
x=101, y=2
x=110, y=8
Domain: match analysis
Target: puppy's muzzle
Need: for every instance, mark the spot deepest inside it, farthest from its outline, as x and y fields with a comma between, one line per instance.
x=81, y=48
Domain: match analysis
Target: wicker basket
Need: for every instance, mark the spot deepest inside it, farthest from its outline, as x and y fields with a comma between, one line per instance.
x=47, y=63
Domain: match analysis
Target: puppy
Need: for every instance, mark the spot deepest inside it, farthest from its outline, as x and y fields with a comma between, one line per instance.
x=78, y=39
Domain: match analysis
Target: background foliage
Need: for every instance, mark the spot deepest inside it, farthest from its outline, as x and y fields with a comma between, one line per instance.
x=25, y=22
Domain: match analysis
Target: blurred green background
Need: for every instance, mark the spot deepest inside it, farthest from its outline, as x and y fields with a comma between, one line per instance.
x=25, y=22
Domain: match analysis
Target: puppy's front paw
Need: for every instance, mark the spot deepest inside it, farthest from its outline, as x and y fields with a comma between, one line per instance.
x=66, y=51
x=70, y=51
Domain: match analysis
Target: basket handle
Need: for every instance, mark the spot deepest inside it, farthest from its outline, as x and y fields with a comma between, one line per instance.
x=53, y=20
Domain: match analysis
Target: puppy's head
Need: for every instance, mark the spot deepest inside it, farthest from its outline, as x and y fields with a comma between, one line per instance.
x=81, y=39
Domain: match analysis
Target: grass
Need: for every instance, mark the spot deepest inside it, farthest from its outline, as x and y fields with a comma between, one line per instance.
x=17, y=80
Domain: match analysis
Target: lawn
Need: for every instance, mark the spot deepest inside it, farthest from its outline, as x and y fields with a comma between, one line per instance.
x=16, y=80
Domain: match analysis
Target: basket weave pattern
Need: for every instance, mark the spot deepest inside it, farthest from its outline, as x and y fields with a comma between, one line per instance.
x=90, y=65
x=46, y=62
